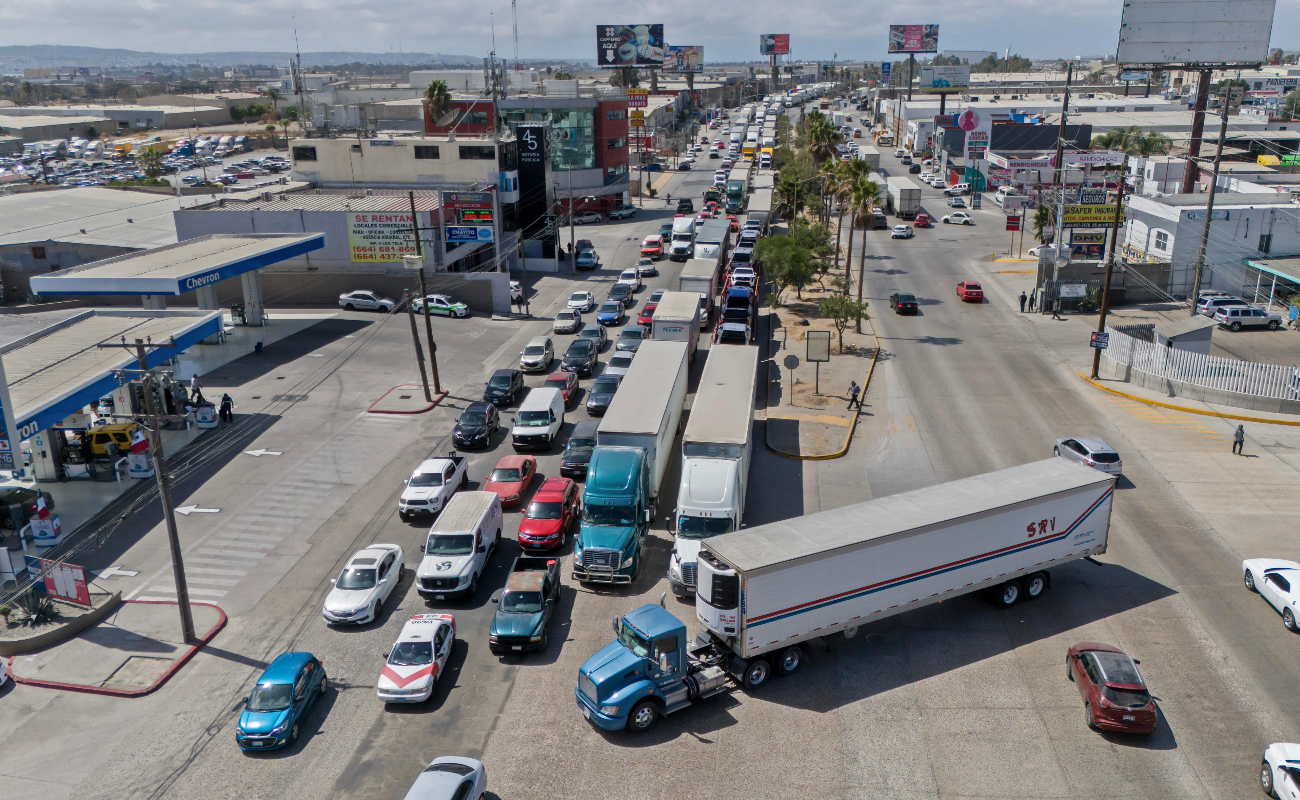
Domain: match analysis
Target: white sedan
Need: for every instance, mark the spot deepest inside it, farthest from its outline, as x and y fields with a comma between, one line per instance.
x=958, y=218
x=589, y=216
x=1278, y=582
x=367, y=301
x=364, y=585
x=418, y=657
x=901, y=232
x=1279, y=771
x=567, y=321
x=582, y=301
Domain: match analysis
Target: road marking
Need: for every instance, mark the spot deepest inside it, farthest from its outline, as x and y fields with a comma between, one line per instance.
x=215, y=571
x=115, y=572
x=204, y=592
x=212, y=551
x=260, y=453
x=150, y=598
x=187, y=510
x=258, y=545
x=228, y=562
x=256, y=537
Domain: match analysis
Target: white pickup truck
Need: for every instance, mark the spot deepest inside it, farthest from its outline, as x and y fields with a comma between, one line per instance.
x=431, y=485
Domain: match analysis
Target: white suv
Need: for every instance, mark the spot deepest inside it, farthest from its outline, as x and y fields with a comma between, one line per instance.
x=631, y=278
x=1237, y=317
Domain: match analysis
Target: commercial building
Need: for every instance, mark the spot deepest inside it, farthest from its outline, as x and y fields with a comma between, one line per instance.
x=473, y=81
x=45, y=127
x=132, y=116
x=223, y=100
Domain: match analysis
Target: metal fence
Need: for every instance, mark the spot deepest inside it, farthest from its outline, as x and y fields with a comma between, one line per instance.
x=1213, y=372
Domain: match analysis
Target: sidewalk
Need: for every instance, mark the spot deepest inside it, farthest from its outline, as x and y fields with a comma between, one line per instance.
x=131, y=653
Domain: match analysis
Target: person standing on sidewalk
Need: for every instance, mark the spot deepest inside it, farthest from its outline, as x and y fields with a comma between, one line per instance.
x=853, y=395
x=1023, y=298
x=1056, y=309
x=1238, y=440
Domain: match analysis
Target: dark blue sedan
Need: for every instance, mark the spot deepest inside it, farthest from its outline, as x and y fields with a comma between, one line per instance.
x=274, y=711
x=610, y=313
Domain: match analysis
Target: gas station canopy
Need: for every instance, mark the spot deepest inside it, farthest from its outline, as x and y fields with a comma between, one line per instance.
x=178, y=268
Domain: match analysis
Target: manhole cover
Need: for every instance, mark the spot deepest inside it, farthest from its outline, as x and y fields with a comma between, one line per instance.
x=257, y=397
x=288, y=398
x=875, y=638
x=138, y=671
x=403, y=397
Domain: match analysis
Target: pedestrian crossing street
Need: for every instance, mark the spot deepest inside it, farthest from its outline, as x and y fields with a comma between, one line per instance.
x=264, y=526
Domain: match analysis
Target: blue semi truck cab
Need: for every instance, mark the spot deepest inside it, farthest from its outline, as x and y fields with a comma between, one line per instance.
x=648, y=671
x=616, y=511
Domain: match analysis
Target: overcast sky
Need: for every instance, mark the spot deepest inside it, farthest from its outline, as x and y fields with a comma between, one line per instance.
x=559, y=28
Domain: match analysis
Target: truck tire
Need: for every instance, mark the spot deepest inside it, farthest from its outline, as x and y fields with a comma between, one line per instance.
x=757, y=673
x=643, y=717
x=790, y=660
x=1007, y=595
x=1035, y=585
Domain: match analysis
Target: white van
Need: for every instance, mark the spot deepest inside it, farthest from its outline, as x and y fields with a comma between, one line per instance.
x=459, y=546
x=1003, y=192
x=539, y=419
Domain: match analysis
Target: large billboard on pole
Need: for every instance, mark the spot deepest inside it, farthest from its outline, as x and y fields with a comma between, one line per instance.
x=913, y=38
x=630, y=45
x=944, y=79
x=684, y=58
x=1195, y=32
x=773, y=44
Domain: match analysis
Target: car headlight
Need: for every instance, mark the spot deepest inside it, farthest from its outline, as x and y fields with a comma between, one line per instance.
x=463, y=581
x=673, y=571
x=280, y=728
x=627, y=563
x=492, y=639
x=609, y=711
x=537, y=638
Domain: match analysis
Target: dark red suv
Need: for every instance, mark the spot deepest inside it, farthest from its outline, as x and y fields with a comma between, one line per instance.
x=1115, y=697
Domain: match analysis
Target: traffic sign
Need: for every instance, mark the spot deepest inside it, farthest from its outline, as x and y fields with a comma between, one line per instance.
x=636, y=123
x=1100, y=340
x=1013, y=223
x=638, y=115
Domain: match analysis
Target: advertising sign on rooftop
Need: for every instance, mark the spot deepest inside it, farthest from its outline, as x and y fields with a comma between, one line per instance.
x=913, y=38
x=638, y=98
x=630, y=45
x=684, y=58
x=1195, y=32
x=773, y=44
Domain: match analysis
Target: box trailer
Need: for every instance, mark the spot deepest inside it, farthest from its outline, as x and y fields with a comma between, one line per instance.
x=760, y=208
x=713, y=240
x=904, y=197
x=677, y=319
x=700, y=276
x=647, y=409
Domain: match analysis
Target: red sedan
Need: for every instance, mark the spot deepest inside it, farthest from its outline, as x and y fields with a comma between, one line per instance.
x=647, y=313
x=970, y=291
x=551, y=514
x=566, y=382
x=921, y=221
x=510, y=478
x=735, y=223
x=1115, y=697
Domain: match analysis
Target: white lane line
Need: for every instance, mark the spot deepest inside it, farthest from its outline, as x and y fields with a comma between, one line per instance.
x=236, y=553
x=225, y=562
x=204, y=592
x=210, y=581
x=256, y=537
x=215, y=571
x=258, y=545
x=147, y=598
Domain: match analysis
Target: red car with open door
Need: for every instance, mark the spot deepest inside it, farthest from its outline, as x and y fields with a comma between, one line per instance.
x=1115, y=697
x=551, y=515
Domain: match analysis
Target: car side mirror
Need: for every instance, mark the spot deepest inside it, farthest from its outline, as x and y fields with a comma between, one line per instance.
x=614, y=622
x=1135, y=661
x=406, y=480
x=494, y=600
x=663, y=662
x=648, y=515
x=386, y=653
x=332, y=580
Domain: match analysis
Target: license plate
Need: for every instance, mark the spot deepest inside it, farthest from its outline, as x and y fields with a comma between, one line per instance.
x=517, y=647
x=440, y=596
x=586, y=712
x=254, y=744
x=1130, y=718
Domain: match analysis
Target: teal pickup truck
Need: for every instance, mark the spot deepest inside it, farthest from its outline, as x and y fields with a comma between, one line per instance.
x=616, y=513
x=525, y=607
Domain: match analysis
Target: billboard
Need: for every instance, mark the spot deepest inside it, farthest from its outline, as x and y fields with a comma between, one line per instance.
x=684, y=58
x=1195, y=32
x=773, y=44
x=629, y=45
x=638, y=98
x=472, y=216
x=945, y=79
x=913, y=38
x=381, y=237
x=1090, y=216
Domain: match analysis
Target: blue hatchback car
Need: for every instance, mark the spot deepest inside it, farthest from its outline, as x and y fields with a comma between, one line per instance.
x=274, y=711
x=610, y=313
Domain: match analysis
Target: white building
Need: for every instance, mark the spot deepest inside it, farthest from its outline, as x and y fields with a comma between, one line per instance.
x=472, y=81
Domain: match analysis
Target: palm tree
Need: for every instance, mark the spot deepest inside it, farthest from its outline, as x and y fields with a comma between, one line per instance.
x=273, y=94
x=839, y=189
x=830, y=176
x=151, y=161
x=1134, y=141
x=1042, y=221
x=855, y=172
x=438, y=99
x=866, y=194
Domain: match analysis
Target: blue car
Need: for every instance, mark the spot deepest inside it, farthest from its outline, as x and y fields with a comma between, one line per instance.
x=274, y=711
x=610, y=313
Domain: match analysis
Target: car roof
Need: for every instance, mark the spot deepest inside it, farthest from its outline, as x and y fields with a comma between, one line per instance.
x=284, y=669
x=371, y=555
x=585, y=429
x=538, y=340
x=560, y=377
x=505, y=372
x=478, y=405
x=422, y=627
x=1094, y=444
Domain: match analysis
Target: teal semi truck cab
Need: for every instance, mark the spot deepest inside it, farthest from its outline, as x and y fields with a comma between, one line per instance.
x=616, y=511
x=648, y=671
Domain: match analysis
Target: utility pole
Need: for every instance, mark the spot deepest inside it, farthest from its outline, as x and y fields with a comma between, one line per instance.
x=419, y=351
x=1110, y=263
x=911, y=63
x=1059, y=178
x=573, y=261
x=1209, y=206
x=424, y=293
x=148, y=383
x=1198, y=128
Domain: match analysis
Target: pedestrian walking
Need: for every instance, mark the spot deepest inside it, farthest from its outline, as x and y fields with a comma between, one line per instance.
x=1032, y=297
x=853, y=395
x=1023, y=297
x=1238, y=440
x=227, y=410
x=195, y=385
x=1056, y=309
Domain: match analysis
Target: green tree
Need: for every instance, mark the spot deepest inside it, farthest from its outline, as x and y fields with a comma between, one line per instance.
x=437, y=98
x=785, y=264
x=1043, y=220
x=151, y=161
x=1290, y=107
x=1134, y=141
x=841, y=310
x=1276, y=56
x=237, y=113
x=91, y=132
x=563, y=76
x=866, y=195
x=273, y=94
x=781, y=156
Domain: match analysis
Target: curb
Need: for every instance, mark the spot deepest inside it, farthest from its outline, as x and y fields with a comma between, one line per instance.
x=436, y=400
x=150, y=689
x=853, y=426
x=1186, y=410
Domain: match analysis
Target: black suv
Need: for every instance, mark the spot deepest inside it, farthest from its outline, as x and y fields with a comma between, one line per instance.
x=580, y=357
x=685, y=206
x=476, y=425
x=503, y=387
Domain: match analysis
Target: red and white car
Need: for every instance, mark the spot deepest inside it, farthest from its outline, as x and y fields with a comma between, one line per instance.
x=652, y=246
x=970, y=292
x=418, y=657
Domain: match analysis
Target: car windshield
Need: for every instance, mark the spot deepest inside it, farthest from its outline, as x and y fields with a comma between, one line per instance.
x=973, y=287
x=409, y=654
x=541, y=510
x=633, y=640
x=580, y=348
x=581, y=444
x=473, y=418
x=500, y=381
x=534, y=350
x=565, y=315
x=270, y=697
x=702, y=527
x=618, y=290
x=604, y=386
x=505, y=475
x=521, y=602
x=449, y=544
x=620, y=362
x=609, y=515
x=432, y=478
x=631, y=333
x=580, y=297
x=356, y=579
x=533, y=419
x=906, y=298
x=610, y=308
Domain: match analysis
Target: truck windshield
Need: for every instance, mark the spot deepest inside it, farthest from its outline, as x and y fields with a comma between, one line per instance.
x=532, y=419
x=442, y=544
x=609, y=515
x=522, y=602
x=629, y=638
x=702, y=527
x=426, y=479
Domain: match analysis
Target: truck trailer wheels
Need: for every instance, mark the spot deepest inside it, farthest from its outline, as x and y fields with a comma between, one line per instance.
x=790, y=660
x=757, y=673
x=643, y=717
x=1007, y=595
x=1031, y=587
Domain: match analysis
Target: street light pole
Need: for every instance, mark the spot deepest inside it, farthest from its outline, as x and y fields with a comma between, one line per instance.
x=1110, y=263
x=1209, y=206
x=424, y=293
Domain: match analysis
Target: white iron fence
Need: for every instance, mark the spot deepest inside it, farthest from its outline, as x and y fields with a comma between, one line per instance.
x=1213, y=372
